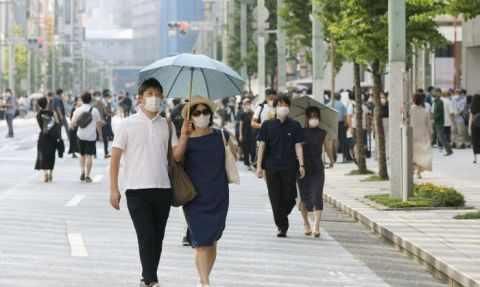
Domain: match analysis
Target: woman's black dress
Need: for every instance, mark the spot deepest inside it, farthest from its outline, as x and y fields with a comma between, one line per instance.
x=47, y=142
x=311, y=186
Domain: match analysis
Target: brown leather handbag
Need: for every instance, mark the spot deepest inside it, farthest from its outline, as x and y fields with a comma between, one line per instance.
x=182, y=186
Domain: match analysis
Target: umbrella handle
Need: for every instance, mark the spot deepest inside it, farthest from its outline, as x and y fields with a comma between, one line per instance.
x=190, y=90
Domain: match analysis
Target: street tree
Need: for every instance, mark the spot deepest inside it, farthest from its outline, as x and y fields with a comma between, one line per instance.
x=363, y=28
x=468, y=8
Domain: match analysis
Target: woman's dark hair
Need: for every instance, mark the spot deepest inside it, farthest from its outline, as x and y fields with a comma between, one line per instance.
x=42, y=103
x=150, y=83
x=285, y=100
x=310, y=111
x=86, y=98
x=208, y=108
x=476, y=104
x=419, y=99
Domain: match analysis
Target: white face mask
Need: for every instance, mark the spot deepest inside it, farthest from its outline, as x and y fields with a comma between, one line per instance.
x=313, y=123
x=282, y=112
x=153, y=104
x=201, y=122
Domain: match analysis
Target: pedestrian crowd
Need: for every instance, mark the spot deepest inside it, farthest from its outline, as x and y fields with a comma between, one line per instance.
x=180, y=152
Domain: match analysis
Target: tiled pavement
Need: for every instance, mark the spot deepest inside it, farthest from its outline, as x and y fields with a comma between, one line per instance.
x=37, y=220
x=450, y=245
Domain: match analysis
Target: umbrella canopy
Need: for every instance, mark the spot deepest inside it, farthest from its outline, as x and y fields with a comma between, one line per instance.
x=328, y=116
x=205, y=76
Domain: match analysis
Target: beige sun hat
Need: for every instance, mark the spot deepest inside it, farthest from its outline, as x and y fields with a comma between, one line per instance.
x=196, y=100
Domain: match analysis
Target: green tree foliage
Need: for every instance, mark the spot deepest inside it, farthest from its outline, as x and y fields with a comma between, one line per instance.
x=469, y=8
x=362, y=29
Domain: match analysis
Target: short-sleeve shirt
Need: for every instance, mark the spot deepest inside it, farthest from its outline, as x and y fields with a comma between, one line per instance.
x=280, y=140
x=57, y=105
x=264, y=112
x=246, y=119
x=12, y=102
x=144, y=143
x=341, y=110
x=89, y=133
x=448, y=110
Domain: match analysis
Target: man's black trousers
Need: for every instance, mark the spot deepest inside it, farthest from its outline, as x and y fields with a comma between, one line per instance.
x=282, y=191
x=149, y=210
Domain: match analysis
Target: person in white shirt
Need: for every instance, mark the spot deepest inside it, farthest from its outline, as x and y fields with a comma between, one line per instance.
x=88, y=120
x=449, y=115
x=142, y=141
x=265, y=111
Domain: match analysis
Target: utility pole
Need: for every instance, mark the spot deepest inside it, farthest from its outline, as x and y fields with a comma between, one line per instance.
x=261, y=18
x=281, y=51
x=226, y=24
x=400, y=131
x=9, y=25
x=243, y=37
x=318, y=53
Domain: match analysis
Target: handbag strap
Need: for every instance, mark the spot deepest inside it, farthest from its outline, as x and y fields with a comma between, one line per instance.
x=170, y=152
x=223, y=137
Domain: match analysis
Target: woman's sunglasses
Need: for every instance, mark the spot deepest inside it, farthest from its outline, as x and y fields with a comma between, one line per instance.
x=197, y=113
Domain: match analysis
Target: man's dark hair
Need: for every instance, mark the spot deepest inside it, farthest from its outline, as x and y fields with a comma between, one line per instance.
x=176, y=101
x=106, y=93
x=59, y=92
x=97, y=94
x=285, y=100
x=86, y=98
x=430, y=89
x=270, y=92
x=8, y=91
x=150, y=83
x=338, y=97
x=42, y=103
x=50, y=94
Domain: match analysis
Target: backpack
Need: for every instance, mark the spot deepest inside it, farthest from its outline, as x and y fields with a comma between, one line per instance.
x=85, y=119
x=476, y=120
x=49, y=125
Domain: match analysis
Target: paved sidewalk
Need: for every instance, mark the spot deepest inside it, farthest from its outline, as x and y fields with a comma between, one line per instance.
x=450, y=246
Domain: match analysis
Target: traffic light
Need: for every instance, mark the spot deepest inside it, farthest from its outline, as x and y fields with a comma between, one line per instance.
x=182, y=27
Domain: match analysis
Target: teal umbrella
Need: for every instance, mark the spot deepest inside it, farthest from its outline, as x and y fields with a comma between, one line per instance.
x=187, y=75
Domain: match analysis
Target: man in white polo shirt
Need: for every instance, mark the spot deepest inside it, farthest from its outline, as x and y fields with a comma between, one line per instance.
x=142, y=141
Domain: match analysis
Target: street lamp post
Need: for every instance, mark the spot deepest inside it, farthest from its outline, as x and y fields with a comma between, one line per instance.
x=400, y=131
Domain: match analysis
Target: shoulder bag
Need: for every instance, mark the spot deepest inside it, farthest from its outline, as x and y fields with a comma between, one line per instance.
x=230, y=163
x=182, y=186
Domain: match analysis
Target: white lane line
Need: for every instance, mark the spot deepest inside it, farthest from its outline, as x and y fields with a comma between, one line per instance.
x=75, y=200
x=97, y=178
x=77, y=246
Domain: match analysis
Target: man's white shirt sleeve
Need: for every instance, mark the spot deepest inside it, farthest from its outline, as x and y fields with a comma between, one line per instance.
x=121, y=137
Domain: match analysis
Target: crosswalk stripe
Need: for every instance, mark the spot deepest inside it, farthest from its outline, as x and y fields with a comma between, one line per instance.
x=77, y=246
x=75, y=200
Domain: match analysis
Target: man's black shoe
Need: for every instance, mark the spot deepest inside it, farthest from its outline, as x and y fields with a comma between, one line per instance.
x=281, y=234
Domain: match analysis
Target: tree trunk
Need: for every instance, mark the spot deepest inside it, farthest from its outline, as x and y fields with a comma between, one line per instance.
x=334, y=73
x=378, y=121
x=359, y=132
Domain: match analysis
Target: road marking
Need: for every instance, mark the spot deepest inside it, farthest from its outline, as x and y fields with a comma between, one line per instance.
x=75, y=200
x=77, y=246
x=97, y=178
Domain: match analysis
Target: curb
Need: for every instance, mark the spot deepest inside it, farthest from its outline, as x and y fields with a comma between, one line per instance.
x=437, y=266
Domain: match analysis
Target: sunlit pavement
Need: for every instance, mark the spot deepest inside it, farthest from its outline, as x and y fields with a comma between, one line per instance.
x=65, y=234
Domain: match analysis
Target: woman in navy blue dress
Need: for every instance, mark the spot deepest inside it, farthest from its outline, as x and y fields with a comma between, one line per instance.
x=202, y=150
